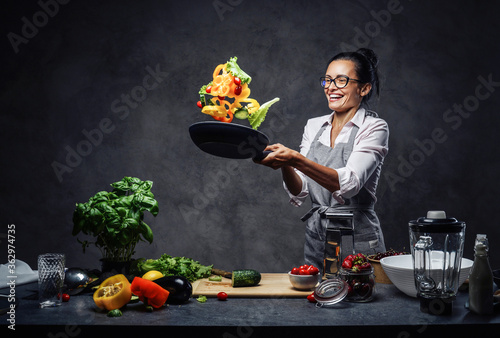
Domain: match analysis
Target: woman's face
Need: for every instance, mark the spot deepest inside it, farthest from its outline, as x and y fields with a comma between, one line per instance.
x=347, y=98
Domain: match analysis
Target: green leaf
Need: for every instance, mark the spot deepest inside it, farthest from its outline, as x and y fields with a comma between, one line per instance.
x=257, y=117
x=236, y=71
x=147, y=233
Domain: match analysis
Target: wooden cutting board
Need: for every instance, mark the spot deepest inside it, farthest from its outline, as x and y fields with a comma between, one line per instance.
x=271, y=285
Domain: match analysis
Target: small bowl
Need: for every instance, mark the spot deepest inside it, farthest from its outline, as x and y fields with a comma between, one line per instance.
x=496, y=277
x=304, y=282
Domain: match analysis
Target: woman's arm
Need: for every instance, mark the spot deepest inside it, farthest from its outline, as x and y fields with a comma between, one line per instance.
x=287, y=159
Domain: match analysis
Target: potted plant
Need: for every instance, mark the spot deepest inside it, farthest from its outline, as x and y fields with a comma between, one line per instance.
x=116, y=220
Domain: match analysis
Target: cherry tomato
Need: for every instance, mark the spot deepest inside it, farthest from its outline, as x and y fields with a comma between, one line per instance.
x=208, y=89
x=305, y=266
x=295, y=271
x=237, y=81
x=312, y=270
x=237, y=90
x=303, y=272
x=311, y=298
x=222, y=296
x=221, y=97
x=199, y=104
x=65, y=297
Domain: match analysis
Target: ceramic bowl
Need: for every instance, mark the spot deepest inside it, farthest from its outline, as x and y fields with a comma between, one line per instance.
x=304, y=282
x=399, y=269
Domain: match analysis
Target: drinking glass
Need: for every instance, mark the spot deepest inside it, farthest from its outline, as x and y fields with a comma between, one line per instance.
x=50, y=279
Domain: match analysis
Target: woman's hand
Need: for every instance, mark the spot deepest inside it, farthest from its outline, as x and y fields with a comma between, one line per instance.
x=280, y=156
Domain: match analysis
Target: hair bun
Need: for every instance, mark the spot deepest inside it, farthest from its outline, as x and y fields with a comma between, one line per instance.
x=369, y=55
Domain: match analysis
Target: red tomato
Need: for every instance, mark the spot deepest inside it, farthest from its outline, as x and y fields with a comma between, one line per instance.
x=65, y=297
x=208, y=89
x=199, y=104
x=311, y=298
x=295, y=271
x=222, y=296
x=303, y=272
x=221, y=97
x=237, y=90
x=237, y=81
x=313, y=270
x=305, y=266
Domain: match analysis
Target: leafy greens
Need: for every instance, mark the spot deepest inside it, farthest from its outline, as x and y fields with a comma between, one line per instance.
x=175, y=266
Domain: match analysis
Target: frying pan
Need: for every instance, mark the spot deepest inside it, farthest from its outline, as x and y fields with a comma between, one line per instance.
x=229, y=140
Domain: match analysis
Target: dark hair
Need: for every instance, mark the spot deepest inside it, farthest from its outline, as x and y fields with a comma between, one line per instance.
x=366, y=62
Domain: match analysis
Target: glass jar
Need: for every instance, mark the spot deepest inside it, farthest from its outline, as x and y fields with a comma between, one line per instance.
x=361, y=284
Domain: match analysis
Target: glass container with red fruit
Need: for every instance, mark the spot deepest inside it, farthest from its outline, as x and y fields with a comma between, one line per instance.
x=357, y=272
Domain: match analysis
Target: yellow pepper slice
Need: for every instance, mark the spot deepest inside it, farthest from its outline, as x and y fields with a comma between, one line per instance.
x=113, y=293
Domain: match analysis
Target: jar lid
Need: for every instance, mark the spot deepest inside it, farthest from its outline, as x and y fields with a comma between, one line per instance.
x=436, y=222
x=331, y=291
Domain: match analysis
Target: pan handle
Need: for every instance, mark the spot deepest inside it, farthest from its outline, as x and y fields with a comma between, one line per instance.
x=261, y=156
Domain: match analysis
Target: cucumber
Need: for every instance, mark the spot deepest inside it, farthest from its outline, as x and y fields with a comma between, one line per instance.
x=245, y=278
x=241, y=113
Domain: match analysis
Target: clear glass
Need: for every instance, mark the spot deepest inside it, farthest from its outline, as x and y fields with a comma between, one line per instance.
x=361, y=285
x=50, y=279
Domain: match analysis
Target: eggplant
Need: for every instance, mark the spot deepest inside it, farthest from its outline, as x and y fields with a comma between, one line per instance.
x=179, y=287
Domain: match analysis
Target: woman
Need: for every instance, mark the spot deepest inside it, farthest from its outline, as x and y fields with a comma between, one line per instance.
x=340, y=158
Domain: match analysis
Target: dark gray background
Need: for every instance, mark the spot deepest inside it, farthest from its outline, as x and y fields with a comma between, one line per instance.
x=71, y=74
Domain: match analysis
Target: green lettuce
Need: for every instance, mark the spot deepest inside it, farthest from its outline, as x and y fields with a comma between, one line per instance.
x=257, y=117
x=174, y=266
x=236, y=71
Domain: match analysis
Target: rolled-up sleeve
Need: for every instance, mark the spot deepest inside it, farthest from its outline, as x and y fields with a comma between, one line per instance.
x=368, y=153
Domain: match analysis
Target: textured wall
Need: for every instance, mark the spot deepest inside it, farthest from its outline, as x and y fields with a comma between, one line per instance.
x=109, y=88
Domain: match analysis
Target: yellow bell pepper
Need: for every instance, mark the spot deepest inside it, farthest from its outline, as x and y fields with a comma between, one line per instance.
x=113, y=293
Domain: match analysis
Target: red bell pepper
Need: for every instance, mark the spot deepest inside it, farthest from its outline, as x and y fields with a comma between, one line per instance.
x=149, y=292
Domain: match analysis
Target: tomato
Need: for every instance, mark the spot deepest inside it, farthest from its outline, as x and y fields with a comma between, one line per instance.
x=199, y=104
x=305, y=266
x=237, y=81
x=208, y=89
x=303, y=272
x=237, y=90
x=312, y=270
x=311, y=298
x=295, y=271
x=222, y=296
x=221, y=97
x=65, y=297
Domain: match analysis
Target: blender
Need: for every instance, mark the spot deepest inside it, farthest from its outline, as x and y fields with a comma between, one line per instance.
x=437, y=247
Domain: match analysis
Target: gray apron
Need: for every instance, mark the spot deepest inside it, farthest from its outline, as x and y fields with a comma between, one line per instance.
x=368, y=237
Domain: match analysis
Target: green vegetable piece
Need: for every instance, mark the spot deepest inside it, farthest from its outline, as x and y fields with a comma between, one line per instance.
x=236, y=71
x=256, y=118
x=201, y=299
x=215, y=278
x=114, y=313
x=241, y=113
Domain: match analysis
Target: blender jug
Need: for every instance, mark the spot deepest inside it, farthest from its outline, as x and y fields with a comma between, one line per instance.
x=339, y=242
x=437, y=246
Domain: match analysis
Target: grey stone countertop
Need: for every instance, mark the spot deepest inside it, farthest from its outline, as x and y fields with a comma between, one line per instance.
x=390, y=314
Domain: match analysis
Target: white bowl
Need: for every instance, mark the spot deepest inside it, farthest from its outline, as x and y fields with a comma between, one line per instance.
x=399, y=269
x=304, y=282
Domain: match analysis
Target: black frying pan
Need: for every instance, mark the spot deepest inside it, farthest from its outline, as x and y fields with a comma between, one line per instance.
x=229, y=140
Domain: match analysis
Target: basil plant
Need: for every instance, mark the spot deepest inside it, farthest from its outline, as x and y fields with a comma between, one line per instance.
x=115, y=218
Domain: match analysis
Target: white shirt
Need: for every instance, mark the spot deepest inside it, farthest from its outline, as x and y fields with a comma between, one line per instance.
x=371, y=145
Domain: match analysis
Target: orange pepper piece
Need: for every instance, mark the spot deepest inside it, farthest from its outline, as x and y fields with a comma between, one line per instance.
x=149, y=292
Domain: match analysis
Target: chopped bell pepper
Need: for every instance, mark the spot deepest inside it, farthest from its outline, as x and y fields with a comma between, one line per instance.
x=113, y=293
x=149, y=292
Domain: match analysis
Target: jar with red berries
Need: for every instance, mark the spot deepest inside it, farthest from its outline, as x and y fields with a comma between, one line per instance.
x=360, y=285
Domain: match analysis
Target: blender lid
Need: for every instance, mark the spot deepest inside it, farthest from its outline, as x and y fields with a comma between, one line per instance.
x=436, y=221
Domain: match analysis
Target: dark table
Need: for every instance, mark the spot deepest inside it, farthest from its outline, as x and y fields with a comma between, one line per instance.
x=390, y=314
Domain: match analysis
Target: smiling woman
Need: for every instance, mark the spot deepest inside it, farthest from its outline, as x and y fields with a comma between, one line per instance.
x=340, y=157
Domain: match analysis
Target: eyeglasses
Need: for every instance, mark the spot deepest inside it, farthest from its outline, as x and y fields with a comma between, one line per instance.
x=340, y=81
